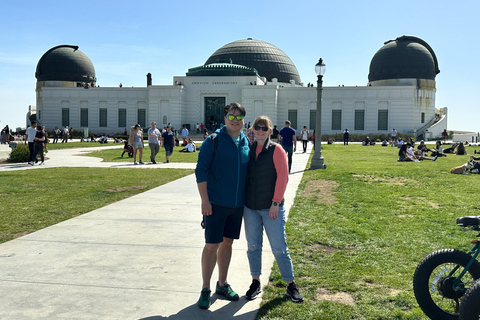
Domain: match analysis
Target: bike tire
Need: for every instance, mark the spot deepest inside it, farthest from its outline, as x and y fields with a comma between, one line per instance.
x=433, y=291
x=470, y=307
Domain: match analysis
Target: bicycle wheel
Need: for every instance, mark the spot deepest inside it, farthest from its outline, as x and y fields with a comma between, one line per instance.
x=433, y=287
x=470, y=306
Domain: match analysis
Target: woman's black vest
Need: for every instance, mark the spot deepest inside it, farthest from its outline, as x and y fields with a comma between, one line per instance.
x=261, y=177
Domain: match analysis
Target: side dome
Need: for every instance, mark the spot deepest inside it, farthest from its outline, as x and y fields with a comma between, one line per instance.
x=268, y=60
x=65, y=63
x=406, y=57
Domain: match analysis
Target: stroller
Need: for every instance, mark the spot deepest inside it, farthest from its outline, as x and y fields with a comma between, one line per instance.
x=128, y=149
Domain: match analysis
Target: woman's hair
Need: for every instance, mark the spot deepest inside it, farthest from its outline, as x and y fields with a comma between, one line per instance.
x=403, y=149
x=263, y=121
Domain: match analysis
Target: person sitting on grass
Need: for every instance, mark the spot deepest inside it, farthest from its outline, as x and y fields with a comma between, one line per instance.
x=451, y=149
x=191, y=147
x=423, y=148
x=417, y=157
x=460, y=150
x=438, y=151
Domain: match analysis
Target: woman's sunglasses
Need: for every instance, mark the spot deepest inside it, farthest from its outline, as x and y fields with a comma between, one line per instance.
x=231, y=117
x=258, y=128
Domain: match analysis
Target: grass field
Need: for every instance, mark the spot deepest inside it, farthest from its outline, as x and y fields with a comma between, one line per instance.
x=356, y=231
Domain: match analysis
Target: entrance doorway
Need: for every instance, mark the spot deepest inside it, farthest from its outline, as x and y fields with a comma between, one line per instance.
x=214, y=114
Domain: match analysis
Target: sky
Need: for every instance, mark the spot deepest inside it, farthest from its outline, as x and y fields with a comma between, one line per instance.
x=125, y=40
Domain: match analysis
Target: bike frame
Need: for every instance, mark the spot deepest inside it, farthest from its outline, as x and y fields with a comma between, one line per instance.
x=457, y=283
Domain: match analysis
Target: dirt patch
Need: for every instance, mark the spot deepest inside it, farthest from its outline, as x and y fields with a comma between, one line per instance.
x=322, y=247
x=398, y=181
x=21, y=234
x=323, y=294
x=126, y=188
x=323, y=190
x=434, y=205
x=405, y=215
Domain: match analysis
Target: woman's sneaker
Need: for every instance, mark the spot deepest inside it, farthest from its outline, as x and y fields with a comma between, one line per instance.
x=254, y=291
x=204, y=301
x=293, y=293
x=227, y=291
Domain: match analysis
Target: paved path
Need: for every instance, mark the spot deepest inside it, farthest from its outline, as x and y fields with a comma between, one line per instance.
x=138, y=258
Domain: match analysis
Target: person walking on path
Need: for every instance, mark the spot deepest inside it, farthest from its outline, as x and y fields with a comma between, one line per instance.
x=65, y=134
x=288, y=139
x=136, y=140
x=168, y=141
x=56, y=132
x=39, y=140
x=304, y=136
x=30, y=135
x=267, y=178
x=185, y=133
x=346, y=136
x=221, y=172
x=153, y=137
x=444, y=135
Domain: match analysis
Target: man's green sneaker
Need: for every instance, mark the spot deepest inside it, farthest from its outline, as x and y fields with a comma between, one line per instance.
x=204, y=301
x=227, y=291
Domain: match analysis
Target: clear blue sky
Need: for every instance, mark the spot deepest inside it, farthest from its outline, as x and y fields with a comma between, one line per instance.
x=125, y=40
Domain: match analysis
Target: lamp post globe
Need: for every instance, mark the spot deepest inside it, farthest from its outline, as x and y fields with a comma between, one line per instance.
x=318, y=162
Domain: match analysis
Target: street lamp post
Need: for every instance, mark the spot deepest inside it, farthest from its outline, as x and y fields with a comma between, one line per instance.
x=318, y=161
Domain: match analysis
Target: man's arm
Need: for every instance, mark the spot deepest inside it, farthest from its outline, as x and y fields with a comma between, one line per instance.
x=294, y=143
x=206, y=205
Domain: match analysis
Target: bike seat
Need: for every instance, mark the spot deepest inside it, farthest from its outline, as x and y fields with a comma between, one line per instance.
x=468, y=221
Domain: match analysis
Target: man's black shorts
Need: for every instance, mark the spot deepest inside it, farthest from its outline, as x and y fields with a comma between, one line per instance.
x=223, y=222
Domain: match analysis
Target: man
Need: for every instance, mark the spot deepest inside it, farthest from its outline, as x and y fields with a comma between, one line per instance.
x=153, y=137
x=221, y=174
x=168, y=141
x=185, y=132
x=394, y=136
x=65, y=134
x=274, y=136
x=198, y=128
x=30, y=135
x=346, y=136
x=288, y=139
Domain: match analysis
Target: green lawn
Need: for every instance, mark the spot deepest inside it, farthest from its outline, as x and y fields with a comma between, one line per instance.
x=35, y=199
x=114, y=155
x=76, y=144
x=359, y=228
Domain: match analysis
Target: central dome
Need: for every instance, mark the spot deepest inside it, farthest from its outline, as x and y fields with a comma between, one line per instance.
x=268, y=60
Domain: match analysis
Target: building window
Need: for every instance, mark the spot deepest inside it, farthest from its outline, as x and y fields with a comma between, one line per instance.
x=103, y=117
x=313, y=119
x=142, y=117
x=382, y=119
x=122, y=118
x=336, y=119
x=423, y=117
x=65, y=117
x=292, y=116
x=84, y=117
x=359, y=120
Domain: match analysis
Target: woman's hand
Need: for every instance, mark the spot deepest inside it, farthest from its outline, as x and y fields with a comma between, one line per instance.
x=273, y=212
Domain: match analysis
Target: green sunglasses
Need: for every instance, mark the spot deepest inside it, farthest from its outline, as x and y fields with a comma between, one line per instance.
x=231, y=117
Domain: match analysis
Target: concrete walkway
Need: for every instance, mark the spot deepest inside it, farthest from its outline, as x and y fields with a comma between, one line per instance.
x=138, y=258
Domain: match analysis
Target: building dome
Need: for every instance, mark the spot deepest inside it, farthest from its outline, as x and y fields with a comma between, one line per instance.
x=268, y=60
x=404, y=58
x=65, y=63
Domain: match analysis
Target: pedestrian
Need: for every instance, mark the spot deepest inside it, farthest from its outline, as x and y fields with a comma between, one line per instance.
x=65, y=134
x=304, y=136
x=274, y=136
x=346, y=135
x=185, y=132
x=267, y=178
x=30, y=136
x=153, y=137
x=444, y=135
x=136, y=140
x=394, y=137
x=221, y=173
x=198, y=128
x=39, y=140
x=168, y=141
x=56, y=132
x=250, y=135
x=288, y=139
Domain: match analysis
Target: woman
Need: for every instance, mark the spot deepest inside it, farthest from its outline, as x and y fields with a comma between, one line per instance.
x=136, y=140
x=267, y=178
x=403, y=155
x=460, y=150
x=438, y=151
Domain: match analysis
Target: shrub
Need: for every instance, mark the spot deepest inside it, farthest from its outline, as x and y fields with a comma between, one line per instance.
x=19, y=154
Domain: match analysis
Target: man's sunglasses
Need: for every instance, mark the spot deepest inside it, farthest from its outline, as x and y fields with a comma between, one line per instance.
x=231, y=117
x=258, y=128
